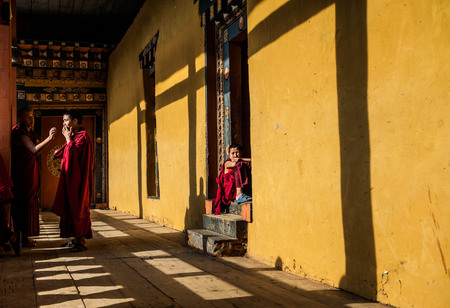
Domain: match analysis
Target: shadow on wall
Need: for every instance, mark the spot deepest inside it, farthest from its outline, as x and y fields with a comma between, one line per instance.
x=193, y=219
x=279, y=264
x=351, y=61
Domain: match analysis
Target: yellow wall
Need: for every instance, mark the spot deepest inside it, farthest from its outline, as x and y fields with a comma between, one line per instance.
x=350, y=138
x=349, y=105
x=180, y=116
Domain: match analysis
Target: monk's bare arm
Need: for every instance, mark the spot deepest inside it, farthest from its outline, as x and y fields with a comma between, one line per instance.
x=229, y=165
x=36, y=148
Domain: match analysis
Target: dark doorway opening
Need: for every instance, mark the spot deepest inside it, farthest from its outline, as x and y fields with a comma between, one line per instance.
x=239, y=93
x=150, y=120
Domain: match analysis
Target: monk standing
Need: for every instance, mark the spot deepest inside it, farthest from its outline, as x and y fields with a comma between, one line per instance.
x=25, y=175
x=73, y=196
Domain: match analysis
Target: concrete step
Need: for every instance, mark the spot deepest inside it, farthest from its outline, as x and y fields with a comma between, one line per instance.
x=242, y=209
x=226, y=224
x=216, y=244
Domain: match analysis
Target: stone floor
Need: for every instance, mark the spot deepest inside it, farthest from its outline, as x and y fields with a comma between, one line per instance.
x=134, y=263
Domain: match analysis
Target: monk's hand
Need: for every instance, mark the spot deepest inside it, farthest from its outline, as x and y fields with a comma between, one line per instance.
x=52, y=133
x=67, y=133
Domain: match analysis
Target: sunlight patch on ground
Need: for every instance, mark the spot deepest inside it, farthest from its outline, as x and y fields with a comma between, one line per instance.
x=49, y=232
x=48, y=239
x=116, y=233
x=71, y=303
x=106, y=230
x=106, y=302
x=79, y=268
x=64, y=259
x=294, y=281
x=64, y=276
x=151, y=254
x=59, y=268
x=49, y=226
x=138, y=222
x=162, y=230
x=171, y=266
x=90, y=290
x=72, y=290
x=48, y=249
x=115, y=214
x=81, y=276
x=211, y=288
x=244, y=262
x=74, y=276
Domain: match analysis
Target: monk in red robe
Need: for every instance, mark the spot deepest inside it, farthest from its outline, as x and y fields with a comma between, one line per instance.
x=234, y=176
x=25, y=175
x=74, y=193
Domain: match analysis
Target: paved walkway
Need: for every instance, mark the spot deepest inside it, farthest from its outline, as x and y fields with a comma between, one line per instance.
x=134, y=263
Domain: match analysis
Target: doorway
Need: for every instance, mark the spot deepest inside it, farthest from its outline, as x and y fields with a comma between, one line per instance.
x=227, y=72
x=239, y=93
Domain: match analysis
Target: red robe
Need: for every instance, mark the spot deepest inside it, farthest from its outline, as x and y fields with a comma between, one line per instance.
x=25, y=176
x=5, y=198
x=74, y=193
x=5, y=184
x=227, y=183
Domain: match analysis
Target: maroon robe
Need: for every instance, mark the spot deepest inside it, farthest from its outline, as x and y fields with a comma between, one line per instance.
x=227, y=183
x=74, y=193
x=25, y=176
x=5, y=198
x=5, y=184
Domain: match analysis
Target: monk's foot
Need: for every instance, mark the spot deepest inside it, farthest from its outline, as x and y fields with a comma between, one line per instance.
x=78, y=248
x=243, y=198
x=69, y=244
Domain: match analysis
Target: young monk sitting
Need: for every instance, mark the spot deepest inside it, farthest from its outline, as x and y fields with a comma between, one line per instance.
x=233, y=178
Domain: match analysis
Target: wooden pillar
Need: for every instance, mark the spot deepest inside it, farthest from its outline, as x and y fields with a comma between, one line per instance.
x=13, y=79
x=7, y=82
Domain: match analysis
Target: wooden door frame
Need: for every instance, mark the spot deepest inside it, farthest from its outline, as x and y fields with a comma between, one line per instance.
x=226, y=30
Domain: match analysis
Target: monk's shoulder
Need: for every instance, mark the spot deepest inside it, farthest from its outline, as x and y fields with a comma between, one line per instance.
x=81, y=137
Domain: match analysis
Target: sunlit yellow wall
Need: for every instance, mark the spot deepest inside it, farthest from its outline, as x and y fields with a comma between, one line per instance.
x=180, y=116
x=373, y=220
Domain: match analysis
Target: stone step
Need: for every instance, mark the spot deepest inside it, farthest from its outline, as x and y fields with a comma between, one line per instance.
x=243, y=209
x=226, y=224
x=216, y=244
